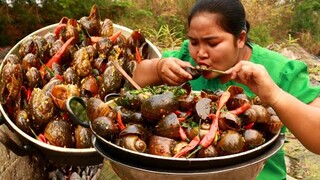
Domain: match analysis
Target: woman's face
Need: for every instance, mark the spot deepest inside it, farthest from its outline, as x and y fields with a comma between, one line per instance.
x=212, y=46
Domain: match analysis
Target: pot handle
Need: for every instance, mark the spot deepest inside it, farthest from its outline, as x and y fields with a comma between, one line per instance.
x=111, y=96
x=73, y=116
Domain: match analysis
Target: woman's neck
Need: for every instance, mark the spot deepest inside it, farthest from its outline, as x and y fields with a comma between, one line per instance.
x=245, y=53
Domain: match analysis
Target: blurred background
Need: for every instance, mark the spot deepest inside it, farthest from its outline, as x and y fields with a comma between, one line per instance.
x=164, y=21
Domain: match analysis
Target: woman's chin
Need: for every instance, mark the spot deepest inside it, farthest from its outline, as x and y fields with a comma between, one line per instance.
x=210, y=75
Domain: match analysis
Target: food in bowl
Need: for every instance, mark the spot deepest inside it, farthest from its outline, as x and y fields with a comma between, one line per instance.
x=173, y=121
x=72, y=59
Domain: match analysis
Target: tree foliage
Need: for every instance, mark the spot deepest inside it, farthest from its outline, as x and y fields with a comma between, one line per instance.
x=272, y=21
x=307, y=17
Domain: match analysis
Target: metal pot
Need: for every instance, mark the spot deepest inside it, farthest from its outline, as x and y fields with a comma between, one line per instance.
x=59, y=155
x=160, y=162
x=127, y=168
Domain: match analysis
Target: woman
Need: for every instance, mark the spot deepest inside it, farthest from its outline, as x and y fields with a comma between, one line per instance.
x=217, y=32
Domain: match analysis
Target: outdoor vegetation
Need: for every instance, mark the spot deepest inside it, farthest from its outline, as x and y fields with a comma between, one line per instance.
x=164, y=21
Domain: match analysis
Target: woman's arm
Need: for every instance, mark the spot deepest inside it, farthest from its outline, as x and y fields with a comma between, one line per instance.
x=146, y=73
x=301, y=119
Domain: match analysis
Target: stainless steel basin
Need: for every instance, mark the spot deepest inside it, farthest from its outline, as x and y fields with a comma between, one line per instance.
x=127, y=169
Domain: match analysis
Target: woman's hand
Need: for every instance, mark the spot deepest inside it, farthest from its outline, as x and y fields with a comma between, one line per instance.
x=172, y=71
x=256, y=77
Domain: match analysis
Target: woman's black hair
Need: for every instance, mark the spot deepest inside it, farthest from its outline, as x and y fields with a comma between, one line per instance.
x=232, y=13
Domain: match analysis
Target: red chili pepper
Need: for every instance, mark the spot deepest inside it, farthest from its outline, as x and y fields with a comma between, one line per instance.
x=29, y=93
x=138, y=56
x=177, y=112
x=209, y=137
x=58, y=76
x=183, y=135
x=42, y=138
x=65, y=116
x=113, y=38
x=182, y=119
x=95, y=39
x=64, y=20
x=194, y=143
x=241, y=109
x=249, y=126
x=57, y=57
x=189, y=112
x=119, y=121
x=222, y=101
x=58, y=29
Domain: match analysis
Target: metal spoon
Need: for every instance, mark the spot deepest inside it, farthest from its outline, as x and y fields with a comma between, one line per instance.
x=204, y=68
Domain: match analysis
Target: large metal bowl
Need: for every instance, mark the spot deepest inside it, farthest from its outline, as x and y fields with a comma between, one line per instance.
x=72, y=156
x=133, y=169
x=160, y=162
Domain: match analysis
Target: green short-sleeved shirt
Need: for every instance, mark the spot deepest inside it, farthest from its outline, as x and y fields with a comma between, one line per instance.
x=292, y=76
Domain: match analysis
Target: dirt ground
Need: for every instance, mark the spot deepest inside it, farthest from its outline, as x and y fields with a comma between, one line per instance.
x=301, y=163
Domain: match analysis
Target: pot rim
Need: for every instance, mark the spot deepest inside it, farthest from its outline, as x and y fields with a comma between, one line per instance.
x=14, y=49
x=276, y=146
x=260, y=148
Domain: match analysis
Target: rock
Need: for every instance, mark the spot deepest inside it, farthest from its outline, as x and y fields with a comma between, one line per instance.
x=296, y=52
x=17, y=167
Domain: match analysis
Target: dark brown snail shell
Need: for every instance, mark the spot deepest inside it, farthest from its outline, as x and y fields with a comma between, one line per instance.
x=229, y=120
x=154, y=108
x=253, y=138
x=231, y=142
x=133, y=142
x=83, y=137
x=193, y=72
x=105, y=127
x=58, y=133
x=237, y=101
x=169, y=127
x=210, y=151
x=161, y=146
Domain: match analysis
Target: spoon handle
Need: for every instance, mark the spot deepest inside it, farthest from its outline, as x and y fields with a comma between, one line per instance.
x=209, y=69
x=124, y=73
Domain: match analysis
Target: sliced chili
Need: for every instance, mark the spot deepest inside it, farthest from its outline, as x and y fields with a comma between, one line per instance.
x=193, y=144
x=57, y=57
x=177, y=112
x=42, y=138
x=58, y=29
x=209, y=137
x=113, y=38
x=138, y=56
x=119, y=121
x=183, y=135
x=58, y=76
x=182, y=119
x=29, y=93
x=241, y=109
x=249, y=126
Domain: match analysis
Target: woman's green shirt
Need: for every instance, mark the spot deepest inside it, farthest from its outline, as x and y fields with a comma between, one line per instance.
x=291, y=75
